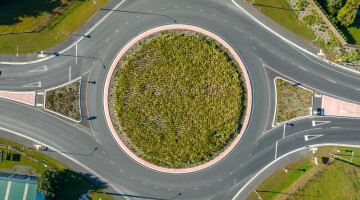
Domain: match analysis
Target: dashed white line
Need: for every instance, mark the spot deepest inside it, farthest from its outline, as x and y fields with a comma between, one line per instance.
x=156, y=187
x=335, y=127
x=282, y=58
x=127, y=22
x=138, y=16
x=195, y=188
x=9, y=79
x=175, y=6
x=202, y=10
x=214, y=14
x=358, y=89
x=162, y=8
x=144, y=183
x=112, y=162
x=132, y=178
x=69, y=73
x=150, y=11
x=330, y=80
x=250, y=38
x=117, y=30
x=94, y=62
x=253, y=47
x=220, y=180
x=104, y=152
x=107, y=40
x=302, y=68
x=169, y=189
x=231, y=173
x=208, y=185
x=225, y=20
x=276, y=149
x=99, y=50
x=188, y=7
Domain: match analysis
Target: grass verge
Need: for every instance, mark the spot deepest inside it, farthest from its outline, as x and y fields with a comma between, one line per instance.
x=75, y=185
x=65, y=100
x=292, y=101
x=281, y=13
x=331, y=179
x=39, y=25
x=175, y=105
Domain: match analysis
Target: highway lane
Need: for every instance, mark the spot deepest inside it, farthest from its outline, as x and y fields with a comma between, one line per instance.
x=221, y=181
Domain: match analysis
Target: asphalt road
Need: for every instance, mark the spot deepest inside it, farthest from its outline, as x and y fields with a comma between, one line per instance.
x=91, y=143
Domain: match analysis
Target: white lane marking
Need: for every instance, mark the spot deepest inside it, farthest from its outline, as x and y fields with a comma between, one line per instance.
x=169, y=189
x=318, y=123
x=253, y=47
x=302, y=68
x=231, y=173
x=112, y=162
x=202, y=10
x=40, y=69
x=261, y=44
x=70, y=74
x=94, y=62
x=188, y=7
x=250, y=38
x=358, y=89
x=104, y=152
x=162, y=8
x=282, y=58
x=335, y=127
x=132, y=178
x=195, y=188
x=284, y=131
x=138, y=16
x=225, y=20
x=9, y=79
x=276, y=149
x=214, y=14
x=117, y=30
x=127, y=22
x=107, y=40
x=122, y=171
x=208, y=185
x=38, y=124
x=76, y=53
x=36, y=84
x=220, y=180
x=144, y=183
x=245, y=37
x=175, y=6
x=99, y=50
x=150, y=11
x=156, y=187
x=311, y=137
x=330, y=80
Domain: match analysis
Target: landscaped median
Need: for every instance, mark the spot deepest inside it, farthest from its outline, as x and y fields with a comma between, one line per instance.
x=65, y=100
x=335, y=177
x=178, y=101
x=292, y=101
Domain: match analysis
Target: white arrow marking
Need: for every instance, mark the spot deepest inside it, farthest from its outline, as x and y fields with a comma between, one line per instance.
x=318, y=123
x=311, y=137
x=36, y=84
x=40, y=69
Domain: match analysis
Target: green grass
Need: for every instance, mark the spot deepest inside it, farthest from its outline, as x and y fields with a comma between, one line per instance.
x=47, y=19
x=65, y=100
x=292, y=101
x=24, y=161
x=281, y=12
x=178, y=99
x=335, y=181
x=75, y=183
x=353, y=32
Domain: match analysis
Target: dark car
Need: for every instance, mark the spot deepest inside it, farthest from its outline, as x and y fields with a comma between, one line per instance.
x=320, y=112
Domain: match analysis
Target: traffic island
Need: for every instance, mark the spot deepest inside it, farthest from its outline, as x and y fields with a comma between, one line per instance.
x=64, y=100
x=292, y=101
x=176, y=98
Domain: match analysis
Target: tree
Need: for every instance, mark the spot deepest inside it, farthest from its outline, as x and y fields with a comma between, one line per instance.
x=347, y=14
x=48, y=182
x=334, y=6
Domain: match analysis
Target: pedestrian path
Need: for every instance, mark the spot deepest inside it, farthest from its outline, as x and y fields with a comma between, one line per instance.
x=338, y=107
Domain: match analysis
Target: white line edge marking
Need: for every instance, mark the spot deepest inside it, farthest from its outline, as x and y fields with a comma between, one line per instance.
x=70, y=46
x=276, y=149
x=66, y=156
x=302, y=68
x=330, y=80
x=70, y=74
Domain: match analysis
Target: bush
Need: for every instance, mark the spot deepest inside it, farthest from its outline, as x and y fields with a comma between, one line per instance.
x=347, y=14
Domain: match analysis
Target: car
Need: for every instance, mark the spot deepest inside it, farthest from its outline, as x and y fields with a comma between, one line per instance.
x=320, y=112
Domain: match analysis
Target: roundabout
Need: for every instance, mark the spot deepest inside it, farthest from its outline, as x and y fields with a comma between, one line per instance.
x=230, y=96
x=231, y=175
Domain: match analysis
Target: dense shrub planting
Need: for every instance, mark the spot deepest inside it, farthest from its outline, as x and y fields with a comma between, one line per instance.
x=292, y=101
x=65, y=100
x=179, y=99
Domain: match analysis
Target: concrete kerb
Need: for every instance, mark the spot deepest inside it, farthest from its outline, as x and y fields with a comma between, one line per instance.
x=106, y=93
x=77, y=121
x=294, y=119
x=291, y=43
x=287, y=154
x=70, y=46
x=66, y=156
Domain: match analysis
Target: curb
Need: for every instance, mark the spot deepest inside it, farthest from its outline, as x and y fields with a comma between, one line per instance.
x=227, y=150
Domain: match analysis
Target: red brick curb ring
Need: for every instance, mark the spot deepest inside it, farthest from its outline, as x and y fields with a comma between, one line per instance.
x=163, y=169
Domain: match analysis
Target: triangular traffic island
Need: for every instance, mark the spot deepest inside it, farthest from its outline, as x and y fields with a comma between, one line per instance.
x=292, y=101
x=64, y=100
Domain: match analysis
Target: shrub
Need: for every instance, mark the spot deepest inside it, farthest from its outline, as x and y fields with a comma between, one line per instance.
x=347, y=14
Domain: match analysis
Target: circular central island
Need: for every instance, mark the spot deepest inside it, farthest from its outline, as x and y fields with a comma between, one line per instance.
x=177, y=99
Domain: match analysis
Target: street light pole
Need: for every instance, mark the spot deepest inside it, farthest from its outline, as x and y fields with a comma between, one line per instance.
x=259, y=197
x=95, y=3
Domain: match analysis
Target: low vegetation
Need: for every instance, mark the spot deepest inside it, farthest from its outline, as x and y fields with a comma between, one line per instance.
x=292, y=101
x=38, y=25
x=71, y=184
x=179, y=99
x=65, y=100
x=334, y=178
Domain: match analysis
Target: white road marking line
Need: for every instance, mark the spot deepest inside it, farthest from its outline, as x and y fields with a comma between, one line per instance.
x=188, y=7
x=156, y=187
x=306, y=137
x=38, y=124
x=335, y=127
x=150, y=11
x=202, y=10
x=330, y=80
x=99, y=50
x=111, y=162
x=69, y=73
x=117, y=30
x=36, y=84
x=169, y=189
x=282, y=58
x=249, y=155
x=250, y=38
x=175, y=6
x=9, y=79
x=225, y=20
x=195, y=188
x=284, y=131
x=253, y=47
x=144, y=183
x=318, y=123
x=76, y=53
x=261, y=44
x=276, y=149
x=214, y=14
x=302, y=68
x=271, y=51
x=122, y=171
x=127, y=22
x=40, y=69
x=104, y=152
x=358, y=89
x=208, y=185
x=293, y=63
x=138, y=16
x=231, y=173
x=132, y=178
x=107, y=40
x=220, y=180
x=162, y=8
x=94, y=62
